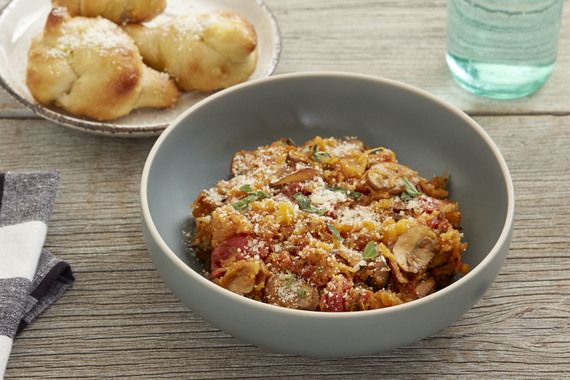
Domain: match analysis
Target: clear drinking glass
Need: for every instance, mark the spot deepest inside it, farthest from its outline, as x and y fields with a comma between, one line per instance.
x=502, y=49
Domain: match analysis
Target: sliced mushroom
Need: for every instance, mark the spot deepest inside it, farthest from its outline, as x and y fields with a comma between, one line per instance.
x=400, y=277
x=294, y=156
x=387, y=177
x=414, y=249
x=300, y=175
x=290, y=291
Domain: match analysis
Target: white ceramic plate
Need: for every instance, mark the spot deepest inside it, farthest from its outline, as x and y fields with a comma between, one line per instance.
x=21, y=20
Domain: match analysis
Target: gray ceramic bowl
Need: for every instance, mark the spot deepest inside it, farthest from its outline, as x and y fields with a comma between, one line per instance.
x=427, y=134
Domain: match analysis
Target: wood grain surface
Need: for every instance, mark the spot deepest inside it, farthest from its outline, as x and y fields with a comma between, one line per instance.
x=120, y=320
x=402, y=40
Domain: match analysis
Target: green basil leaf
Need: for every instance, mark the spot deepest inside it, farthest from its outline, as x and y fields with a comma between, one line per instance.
x=304, y=203
x=335, y=232
x=318, y=155
x=246, y=188
x=370, y=251
x=243, y=204
x=261, y=195
x=354, y=195
x=410, y=189
x=290, y=278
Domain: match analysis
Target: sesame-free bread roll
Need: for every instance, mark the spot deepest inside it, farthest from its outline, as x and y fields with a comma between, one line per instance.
x=90, y=67
x=202, y=51
x=118, y=11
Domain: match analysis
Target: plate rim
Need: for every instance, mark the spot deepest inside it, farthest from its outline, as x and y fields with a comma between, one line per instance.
x=108, y=128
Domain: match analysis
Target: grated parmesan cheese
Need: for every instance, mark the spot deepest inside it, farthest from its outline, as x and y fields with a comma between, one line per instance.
x=98, y=35
x=354, y=216
x=214, y=196
x=345, y=148
x=241, y=180
x=326, y=198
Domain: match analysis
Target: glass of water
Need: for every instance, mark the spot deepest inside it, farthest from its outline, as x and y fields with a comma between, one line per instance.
x=502, y=49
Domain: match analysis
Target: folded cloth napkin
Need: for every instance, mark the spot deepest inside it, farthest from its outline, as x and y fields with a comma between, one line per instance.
x=31, y=278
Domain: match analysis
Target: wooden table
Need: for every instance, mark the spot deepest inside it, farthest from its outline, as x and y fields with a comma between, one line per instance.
x=121, y=321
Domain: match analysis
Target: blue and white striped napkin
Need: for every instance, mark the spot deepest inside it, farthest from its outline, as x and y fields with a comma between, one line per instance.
x=31, y=278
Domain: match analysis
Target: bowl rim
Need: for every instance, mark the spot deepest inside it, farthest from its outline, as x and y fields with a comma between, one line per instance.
x=264, y=307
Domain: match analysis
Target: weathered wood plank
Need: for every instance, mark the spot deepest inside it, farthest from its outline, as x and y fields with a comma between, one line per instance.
x=120, y=320
x=394, y=39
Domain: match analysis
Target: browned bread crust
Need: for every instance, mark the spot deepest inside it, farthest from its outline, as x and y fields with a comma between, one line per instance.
x=202, y=51
x=90, y=67
x=118, y=11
